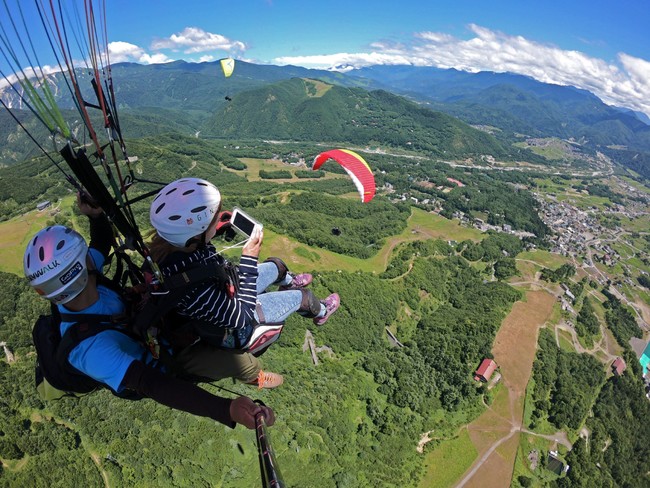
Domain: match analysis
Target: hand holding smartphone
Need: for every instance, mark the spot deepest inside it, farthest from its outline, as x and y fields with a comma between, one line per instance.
x=243, y=223
x=249, y=227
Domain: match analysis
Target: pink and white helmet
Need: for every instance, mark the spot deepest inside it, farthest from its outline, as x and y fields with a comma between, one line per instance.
x=184, y=209
x=55, y=263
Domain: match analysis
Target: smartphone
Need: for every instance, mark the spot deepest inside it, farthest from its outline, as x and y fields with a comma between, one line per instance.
x=242, y=222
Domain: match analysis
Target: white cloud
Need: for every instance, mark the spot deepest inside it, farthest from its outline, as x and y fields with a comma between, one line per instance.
x=195, y=40
x=626, y=83
x=156, y=58
x=206, y=58
x=356, y=59
x=121, y=51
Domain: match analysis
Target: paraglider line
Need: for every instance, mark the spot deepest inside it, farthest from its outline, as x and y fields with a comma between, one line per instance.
x=68, y=177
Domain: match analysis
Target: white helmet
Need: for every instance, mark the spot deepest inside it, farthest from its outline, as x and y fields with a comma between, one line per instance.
x=55, y=263
x=184, y=209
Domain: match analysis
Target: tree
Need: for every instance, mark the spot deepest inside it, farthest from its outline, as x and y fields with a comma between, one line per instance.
x=524, y=481
x=644, y=281
x=505, y=268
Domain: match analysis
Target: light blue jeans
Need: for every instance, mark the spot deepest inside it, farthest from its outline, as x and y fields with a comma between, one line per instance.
x=276, y=305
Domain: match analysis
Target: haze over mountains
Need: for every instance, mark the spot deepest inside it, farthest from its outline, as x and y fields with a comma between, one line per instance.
x=517, y=102
x=191, y=98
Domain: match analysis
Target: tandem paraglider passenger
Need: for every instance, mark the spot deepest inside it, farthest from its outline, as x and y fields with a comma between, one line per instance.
x=94, y=349
x=227, y=304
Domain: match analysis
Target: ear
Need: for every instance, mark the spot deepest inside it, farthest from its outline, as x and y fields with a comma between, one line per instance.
x=90, y=263
x=193, y=242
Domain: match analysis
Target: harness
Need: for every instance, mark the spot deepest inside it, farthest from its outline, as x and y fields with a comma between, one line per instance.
x=55, y=377
x=155, y=320
x=154, y=317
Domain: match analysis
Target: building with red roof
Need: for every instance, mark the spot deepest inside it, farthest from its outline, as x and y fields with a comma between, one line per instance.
x=456, y=182
x=485, y=370
x=618, y=366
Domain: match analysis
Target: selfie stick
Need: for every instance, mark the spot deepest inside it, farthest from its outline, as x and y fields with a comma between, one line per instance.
x=271, y=477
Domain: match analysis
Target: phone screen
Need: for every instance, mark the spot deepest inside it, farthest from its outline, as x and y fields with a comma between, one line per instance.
x=242, y=222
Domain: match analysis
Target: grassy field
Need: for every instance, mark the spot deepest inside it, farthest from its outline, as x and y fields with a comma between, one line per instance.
x=316, y=88
x=624, y=250
x=421, y=225
x=552, y=151
x=558, y=187
x=301, y=257
x=15, y=233
x=566, y=343
x=254, y=165
x=563, y=192
x=583, y=201
x=543, y=258
x=449, y=461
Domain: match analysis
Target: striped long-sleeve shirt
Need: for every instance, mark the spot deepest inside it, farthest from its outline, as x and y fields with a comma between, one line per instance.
x=210, y=302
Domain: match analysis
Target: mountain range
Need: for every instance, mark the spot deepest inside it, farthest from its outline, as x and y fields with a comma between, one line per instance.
x=401, y=106
x=516, y=102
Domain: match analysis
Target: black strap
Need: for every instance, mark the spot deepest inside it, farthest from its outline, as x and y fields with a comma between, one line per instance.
x=86, y=174
x=175, y=287
x=73, y=336
x=93, y=318
x=195, y=275
x=101, y=234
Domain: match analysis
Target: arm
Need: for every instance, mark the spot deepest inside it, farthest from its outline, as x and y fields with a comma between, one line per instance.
x=101, y=233
x=212, y=305
x=182, y=395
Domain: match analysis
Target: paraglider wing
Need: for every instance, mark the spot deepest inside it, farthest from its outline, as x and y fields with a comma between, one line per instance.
x=228, y=66
x=355, y=166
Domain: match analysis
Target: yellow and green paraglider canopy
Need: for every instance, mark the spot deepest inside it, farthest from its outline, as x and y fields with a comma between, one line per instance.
x=228, y=66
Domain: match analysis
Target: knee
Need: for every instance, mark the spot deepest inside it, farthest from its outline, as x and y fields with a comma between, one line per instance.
x=249, y=368
x=282, y=268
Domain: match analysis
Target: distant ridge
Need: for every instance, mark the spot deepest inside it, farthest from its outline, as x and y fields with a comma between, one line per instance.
x=517, y=103
x=190, y=98
x=309, y=110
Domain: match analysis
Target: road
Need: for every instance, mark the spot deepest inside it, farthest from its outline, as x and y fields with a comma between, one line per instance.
x=598, y=347
x=607, y=165
x=495, y=433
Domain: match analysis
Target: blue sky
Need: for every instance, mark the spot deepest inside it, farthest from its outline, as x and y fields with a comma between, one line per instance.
x=602, y=46
x=278, y=28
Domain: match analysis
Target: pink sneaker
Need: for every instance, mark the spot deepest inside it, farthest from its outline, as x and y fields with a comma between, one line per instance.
x=331, y=303
x=298, y=281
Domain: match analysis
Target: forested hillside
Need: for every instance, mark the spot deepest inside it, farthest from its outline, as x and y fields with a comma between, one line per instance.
x=354, y=419
x=297, y=110
x=309, y=110
x=191, y=98
x=516, y=104
x=164, y=158
x=571, y=391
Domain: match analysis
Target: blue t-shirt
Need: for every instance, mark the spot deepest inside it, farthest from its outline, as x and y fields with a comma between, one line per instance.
x=106, y=356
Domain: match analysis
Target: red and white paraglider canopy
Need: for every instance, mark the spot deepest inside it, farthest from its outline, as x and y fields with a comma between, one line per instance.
x=355, y=166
